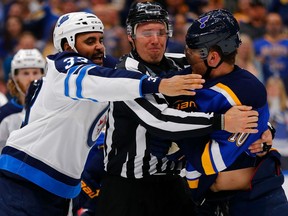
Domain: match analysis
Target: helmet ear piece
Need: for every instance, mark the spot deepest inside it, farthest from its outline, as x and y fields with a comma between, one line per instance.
x=129, y=30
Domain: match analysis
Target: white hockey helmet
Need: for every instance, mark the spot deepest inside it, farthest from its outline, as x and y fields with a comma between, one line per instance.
x=68, y=25
x=27, y=58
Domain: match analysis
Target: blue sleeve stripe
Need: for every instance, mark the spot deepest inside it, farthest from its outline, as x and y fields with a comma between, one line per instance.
x=66, y=82
x=79, y=79
x=92, y=99
x=38, y=177
x=140, y=85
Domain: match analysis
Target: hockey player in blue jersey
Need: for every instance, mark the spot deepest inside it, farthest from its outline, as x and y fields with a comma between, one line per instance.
x=42, y=162
x=27, y=65
x=222, y=169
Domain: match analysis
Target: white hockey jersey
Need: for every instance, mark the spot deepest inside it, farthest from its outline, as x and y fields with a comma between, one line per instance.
x=67, y=114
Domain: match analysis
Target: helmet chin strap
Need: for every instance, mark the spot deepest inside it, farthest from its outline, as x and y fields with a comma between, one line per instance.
x=74, y=49
x=209, y=68
x=18, y=87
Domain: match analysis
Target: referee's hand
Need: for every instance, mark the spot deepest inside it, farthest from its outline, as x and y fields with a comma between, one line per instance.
x=241, y=119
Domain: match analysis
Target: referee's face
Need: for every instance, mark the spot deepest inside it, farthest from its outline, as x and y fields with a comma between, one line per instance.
x=150, y=41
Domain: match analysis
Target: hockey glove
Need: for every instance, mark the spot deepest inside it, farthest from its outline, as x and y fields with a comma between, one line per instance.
x=158, y=146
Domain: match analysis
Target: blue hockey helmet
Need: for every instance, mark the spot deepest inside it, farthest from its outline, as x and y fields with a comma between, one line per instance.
x=216, y=27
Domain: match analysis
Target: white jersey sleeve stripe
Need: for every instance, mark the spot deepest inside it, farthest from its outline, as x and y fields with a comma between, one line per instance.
x=217, y=156
x=228, y=94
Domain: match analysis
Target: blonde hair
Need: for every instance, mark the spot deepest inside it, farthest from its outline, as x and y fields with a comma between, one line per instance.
x=277, y=81
x=13, y=91
x=246, y=39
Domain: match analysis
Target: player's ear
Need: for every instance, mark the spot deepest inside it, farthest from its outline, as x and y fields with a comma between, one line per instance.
x=67, y=47
x=213, y=58
x=131, y=41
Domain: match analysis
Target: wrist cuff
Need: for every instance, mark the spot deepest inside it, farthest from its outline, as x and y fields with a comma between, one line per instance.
x=218, y=122
x=150, y=85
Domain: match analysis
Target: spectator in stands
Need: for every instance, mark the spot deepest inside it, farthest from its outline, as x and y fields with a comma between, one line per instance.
x=256, y=13
x=26, y=41
x=272, y=49
x=241, y=11
x=115, y=39
x=176, y=43
x=13, y=29
x=212, y=5
x=278, y=107
x=246, y=57
x=281, y=7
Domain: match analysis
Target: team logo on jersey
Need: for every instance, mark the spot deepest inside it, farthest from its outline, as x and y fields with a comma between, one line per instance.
x=89, y=191
x=185, y=105
x=97, y=126
x=62, y=20
x=203, y=21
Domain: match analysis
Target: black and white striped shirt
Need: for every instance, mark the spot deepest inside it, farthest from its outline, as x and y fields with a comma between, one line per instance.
x=126, y=148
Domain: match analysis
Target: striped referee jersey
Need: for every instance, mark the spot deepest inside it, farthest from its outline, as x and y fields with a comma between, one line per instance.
x=130, y=122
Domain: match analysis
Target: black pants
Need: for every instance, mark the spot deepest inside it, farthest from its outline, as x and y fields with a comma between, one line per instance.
x=164, y=195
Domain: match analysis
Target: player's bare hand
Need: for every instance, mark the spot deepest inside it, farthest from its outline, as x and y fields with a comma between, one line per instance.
x=259, y=145
x=181, y=85
x=241, y=119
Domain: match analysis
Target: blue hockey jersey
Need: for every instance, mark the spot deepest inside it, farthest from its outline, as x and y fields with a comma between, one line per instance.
x=210, y=155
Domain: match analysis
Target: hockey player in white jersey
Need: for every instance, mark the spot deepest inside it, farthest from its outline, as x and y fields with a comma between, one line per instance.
x=27, y=65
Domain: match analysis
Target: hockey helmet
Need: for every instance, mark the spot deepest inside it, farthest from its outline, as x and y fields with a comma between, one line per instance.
x=68, y=25
x=144, y=12
x=216, y=27
x=27, y=58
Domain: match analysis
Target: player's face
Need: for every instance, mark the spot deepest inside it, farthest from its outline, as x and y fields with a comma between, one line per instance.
x=193, y=57
x=150, y=41
x=26, y=75
x=90, y=45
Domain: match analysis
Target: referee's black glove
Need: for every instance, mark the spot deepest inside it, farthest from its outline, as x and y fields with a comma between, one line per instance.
x=158, y=146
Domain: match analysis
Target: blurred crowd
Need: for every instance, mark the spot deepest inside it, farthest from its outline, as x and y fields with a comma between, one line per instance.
x=27, y=24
